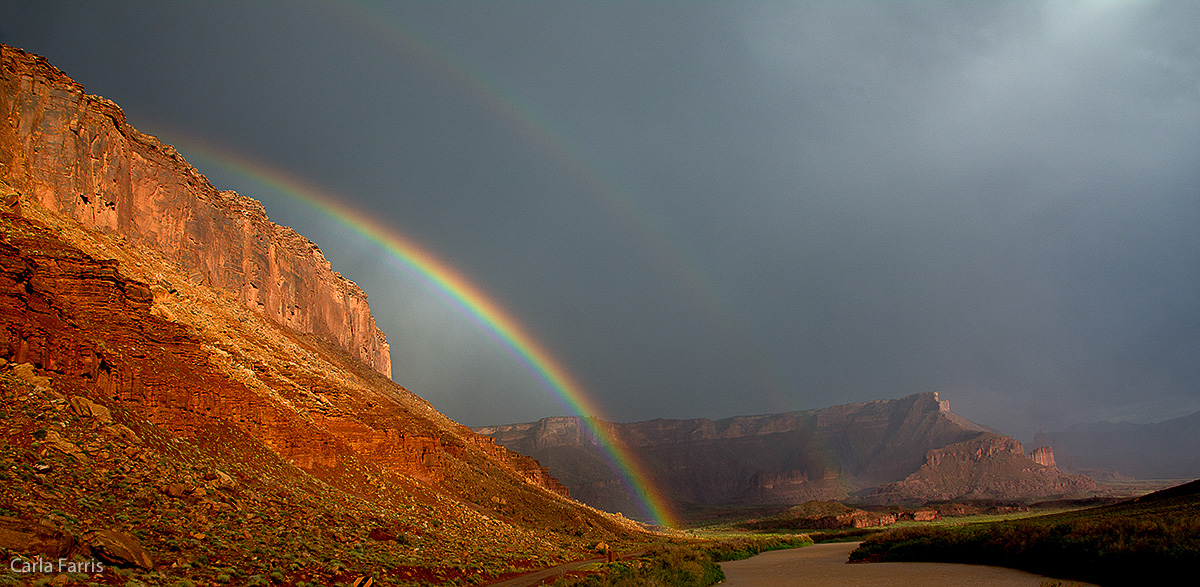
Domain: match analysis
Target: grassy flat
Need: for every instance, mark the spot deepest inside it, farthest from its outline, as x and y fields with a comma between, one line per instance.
x=1136, y=542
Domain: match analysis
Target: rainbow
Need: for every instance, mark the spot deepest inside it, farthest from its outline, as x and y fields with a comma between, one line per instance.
x=524, y=122
x=551, y=373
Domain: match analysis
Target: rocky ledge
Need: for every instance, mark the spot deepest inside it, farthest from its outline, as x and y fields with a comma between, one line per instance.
x=76, y=155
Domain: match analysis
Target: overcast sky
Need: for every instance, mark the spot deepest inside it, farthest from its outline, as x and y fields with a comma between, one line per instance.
x=717, y=209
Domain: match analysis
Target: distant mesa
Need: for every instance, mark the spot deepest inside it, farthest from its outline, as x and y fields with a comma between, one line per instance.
x=989, y=466
x=907, y=450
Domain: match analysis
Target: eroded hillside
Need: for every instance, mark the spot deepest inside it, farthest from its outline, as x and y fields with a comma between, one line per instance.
x=150, y=402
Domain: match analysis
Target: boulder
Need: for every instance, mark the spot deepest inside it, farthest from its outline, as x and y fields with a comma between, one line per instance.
x=176, y=490
x=118, y=548
x=382, y=534
x=87, y=408
x=57, y=442
x=34, y=539
x=27, y=373
x=124, y=433
x=222, y=480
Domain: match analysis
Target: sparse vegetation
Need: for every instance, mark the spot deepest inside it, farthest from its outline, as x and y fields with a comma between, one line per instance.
x=738, y=549
x=674, y=565
x=269, y=524
x=211, y=503
x=1132, y=543
x=694, y=565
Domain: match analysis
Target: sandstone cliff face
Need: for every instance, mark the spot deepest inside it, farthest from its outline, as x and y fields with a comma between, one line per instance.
x=1044, y=456
x=767, y=459
x=77, y=156
x=128, y=277
x=529, y=469
x=156, y=403
x=204, y=421
x=77, y=317
x=181, y=361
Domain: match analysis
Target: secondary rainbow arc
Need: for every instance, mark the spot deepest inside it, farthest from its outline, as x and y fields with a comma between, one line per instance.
x=501, y=324
x=536, y=131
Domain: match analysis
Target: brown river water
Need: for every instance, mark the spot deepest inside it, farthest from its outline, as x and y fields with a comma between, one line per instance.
x=824, y=565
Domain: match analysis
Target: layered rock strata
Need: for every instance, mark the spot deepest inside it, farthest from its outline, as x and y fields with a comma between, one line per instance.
x=1043, y=455
x=119, y=265
x=76, y=155
x=157, y=419
x=93, y=329
x=77, y=317
x=836, y=453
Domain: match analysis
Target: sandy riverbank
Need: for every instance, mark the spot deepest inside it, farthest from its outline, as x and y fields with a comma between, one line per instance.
x=824, y=565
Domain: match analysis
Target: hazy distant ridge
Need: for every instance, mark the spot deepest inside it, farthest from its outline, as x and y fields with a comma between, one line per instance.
x=1163, y=450
x=833, y=453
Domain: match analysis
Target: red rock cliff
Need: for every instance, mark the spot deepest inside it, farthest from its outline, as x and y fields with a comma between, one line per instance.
x=78, y=156
x=92, y=328
x=1044, y=456
x=97, y=332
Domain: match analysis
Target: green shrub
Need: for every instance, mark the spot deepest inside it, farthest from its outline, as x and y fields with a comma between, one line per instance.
x=1108, y=551
x=731, y=550
x=683, y=566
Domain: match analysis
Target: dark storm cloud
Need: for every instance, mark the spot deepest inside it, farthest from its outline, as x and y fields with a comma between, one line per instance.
x=1000, y=201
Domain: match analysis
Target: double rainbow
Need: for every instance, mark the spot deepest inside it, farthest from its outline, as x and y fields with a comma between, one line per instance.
x=524, y=122
x=549, y=371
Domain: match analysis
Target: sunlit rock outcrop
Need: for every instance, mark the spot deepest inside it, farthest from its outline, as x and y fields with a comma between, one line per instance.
x=138, y=380
x=1044, y=456
x=76, y=155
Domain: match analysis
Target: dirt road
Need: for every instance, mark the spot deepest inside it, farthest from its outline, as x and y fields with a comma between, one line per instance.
x=540, y=577
x=547, y=576
x=824, y=565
